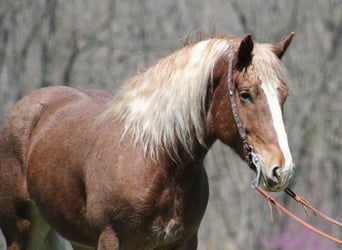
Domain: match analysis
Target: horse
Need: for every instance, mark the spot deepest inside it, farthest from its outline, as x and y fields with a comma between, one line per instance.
x=126, y=172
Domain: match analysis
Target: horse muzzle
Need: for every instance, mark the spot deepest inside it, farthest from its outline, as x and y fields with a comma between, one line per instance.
x=276, y=179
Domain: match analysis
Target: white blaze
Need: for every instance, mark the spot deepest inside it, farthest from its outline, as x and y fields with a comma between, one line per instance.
x=278, y=123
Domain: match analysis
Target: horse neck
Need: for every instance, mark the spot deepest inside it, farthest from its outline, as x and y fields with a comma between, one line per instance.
x=186, y=162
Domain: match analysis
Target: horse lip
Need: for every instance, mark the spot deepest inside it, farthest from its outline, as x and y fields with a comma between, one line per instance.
x=283, y=180
x=271, y=185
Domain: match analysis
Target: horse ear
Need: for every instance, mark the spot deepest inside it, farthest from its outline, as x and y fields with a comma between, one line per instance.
x=280, y=48
x=245, y=52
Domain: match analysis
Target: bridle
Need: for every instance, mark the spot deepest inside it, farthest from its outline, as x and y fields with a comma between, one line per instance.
x=254, y=163
x=248, y=150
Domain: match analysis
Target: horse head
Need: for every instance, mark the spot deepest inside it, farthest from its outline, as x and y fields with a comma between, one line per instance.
x=260, y=90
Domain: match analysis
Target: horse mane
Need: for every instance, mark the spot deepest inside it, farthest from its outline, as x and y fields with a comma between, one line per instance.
x=165, y=104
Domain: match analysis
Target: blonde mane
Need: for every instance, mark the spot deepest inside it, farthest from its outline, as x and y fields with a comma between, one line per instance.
x=164, y=105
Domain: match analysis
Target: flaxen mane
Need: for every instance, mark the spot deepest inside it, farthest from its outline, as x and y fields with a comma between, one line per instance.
x=164, y=104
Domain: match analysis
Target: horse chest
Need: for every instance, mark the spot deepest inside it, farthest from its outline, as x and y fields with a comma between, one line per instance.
x=178, y=211
x=170, y=221
x=161, y=214
x=168, y=230
x=165, y=223
x=147, y=203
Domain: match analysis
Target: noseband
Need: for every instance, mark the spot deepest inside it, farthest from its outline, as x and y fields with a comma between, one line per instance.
x=254, y=163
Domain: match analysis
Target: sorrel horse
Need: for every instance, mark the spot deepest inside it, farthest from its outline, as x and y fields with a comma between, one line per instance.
x=127, y=172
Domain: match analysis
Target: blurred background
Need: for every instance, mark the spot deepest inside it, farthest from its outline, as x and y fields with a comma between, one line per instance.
x=101, y=44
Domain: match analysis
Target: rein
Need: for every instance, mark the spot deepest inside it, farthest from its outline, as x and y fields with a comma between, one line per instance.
x=254, y=163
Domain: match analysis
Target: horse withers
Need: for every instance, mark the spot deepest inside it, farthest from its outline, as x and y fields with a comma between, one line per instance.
x=127, y=172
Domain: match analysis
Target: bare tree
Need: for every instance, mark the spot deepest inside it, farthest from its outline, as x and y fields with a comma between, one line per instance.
x=101, y=44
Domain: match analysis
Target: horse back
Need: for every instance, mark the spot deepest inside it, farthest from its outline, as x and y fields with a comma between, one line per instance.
x=40, y=106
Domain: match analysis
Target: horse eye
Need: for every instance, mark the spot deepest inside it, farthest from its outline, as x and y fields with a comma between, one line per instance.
x=245, y=96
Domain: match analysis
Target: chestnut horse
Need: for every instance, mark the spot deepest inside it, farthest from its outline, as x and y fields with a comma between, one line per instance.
x=127, y=172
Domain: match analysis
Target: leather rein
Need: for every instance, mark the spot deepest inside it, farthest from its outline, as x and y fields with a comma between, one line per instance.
x=254, y=163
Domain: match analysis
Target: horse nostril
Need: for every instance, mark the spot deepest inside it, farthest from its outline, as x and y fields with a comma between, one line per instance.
x=276, y=173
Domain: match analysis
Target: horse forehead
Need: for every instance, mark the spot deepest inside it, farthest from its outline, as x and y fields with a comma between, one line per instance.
x=253, y=79
x=271, y=87
x=268, y=79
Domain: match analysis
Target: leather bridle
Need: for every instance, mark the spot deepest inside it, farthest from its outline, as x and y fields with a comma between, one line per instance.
x=254, y=163
x=248, y=150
